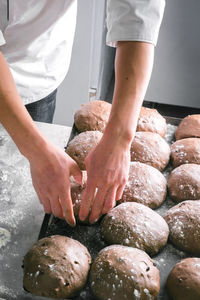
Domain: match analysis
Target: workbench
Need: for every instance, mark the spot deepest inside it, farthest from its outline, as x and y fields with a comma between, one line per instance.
x=21, y=214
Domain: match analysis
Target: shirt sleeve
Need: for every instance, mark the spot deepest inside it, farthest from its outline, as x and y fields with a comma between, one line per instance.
x=134, y=20
x=2, y=40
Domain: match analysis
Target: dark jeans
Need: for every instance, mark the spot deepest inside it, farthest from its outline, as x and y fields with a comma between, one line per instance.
x=43, y=110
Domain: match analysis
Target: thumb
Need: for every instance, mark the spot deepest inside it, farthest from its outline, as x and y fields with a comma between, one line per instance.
x=76, y=172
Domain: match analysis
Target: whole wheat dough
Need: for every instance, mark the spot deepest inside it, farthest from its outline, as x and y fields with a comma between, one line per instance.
x=151, y=120
x=92, y=116
x=184, y=183
x=81, y=145
x=121, y=272
x=184, y=223
x=135, y=225
x=185, y=151
x=146, y=185
x=150, y=148
x=183, y=282
x=56, y=267
x=189, y=127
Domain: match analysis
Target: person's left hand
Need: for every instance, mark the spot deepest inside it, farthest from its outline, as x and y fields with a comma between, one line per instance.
x=107, y=169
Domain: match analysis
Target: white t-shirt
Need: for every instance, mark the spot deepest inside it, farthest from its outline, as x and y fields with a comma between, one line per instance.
x=37, y=41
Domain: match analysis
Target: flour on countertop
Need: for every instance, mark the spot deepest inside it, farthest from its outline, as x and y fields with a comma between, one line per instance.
x=5, y=237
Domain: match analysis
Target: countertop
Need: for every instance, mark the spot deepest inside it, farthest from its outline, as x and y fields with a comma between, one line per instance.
x=21, y=214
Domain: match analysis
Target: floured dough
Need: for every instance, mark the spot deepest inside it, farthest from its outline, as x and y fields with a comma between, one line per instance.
x=133, y=224
x=184, y=183
x=183, y=282
x=77, y=193
x=189, y=127
x=186, y=151
x=184, y=224
x=56, y=267
x=150, y=148
x=81, y=145
x=92, y=116
x=146, y=185
x=151, y=120
x=121, y=272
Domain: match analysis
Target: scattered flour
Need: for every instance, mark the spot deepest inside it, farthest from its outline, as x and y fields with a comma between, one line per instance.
x=5, y=237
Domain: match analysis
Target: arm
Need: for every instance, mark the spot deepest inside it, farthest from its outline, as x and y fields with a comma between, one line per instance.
x=108, y=164
x=50, y=167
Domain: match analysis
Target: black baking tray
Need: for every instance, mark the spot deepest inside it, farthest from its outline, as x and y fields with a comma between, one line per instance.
x=89, y=235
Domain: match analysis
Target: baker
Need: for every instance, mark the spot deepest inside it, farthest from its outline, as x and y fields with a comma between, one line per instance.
x=35, y=50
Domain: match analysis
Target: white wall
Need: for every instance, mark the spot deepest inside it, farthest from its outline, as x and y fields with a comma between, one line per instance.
x=74, y=89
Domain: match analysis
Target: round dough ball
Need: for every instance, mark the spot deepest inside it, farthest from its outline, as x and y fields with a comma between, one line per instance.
x=184, y=223
x=56, y=267
x=133, y=224
x=92, y=116
x=77, y=192
x=121, y=272
x=150, y=148
x=81, y=145
x=146, y=185
x=186, y=151
x=183, y=282
x=184, y=183
x=151, y=120
x=189, y=127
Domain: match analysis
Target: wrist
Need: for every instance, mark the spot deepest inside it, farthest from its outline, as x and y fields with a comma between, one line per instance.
x=119, y=133
x=33, y=145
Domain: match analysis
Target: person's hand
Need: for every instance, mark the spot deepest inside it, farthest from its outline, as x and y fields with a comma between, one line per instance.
x=107, y=169
x=50, y=173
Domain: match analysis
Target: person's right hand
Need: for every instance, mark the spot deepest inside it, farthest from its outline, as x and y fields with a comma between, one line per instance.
x=51, y=171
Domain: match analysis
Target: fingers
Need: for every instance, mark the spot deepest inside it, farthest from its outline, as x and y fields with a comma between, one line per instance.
x=87, y=199
x=110, y=200
x=120, y=192
x=66, y=203
x=60, y=207
x=47, y=206
x=76, y=172
x=56, y=207
x=45, y=202
x=98, y=205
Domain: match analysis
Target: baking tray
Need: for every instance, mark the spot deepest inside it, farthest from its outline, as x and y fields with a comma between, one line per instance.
x=89, y=235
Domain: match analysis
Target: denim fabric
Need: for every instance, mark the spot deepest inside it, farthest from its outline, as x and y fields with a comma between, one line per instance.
x=43, y=110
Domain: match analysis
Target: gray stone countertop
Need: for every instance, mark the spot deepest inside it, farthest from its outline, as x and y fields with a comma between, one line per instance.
x=21, y=214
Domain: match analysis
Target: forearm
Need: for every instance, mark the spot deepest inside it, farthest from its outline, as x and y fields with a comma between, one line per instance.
x=133, y=66
x=14, y=116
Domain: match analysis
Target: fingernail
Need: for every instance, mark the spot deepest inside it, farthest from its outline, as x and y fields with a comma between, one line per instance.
x=82, y=217
x=93, y=221
x=71, y=222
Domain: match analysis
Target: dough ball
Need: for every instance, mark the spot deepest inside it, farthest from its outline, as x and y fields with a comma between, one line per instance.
x=56, y=267
x=121, y=272
x=184, y=183
x=81, y=145
x=92, y=116
x=189, y=127
x=183, y=282
x=133, y=224
x=186, y=151
x=184, y=223
x=150, y=148
x=146, y=185
x=151, y=120
x=77, y=192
